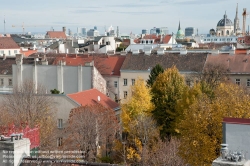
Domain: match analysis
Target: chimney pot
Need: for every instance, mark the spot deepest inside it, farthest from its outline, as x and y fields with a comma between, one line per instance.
x=12, y=137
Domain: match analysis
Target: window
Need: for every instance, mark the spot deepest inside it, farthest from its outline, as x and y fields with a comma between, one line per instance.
x=125, y=82
x=125, y=94
x=59, y=141
x=107, y=83
x=215, y=39
x=237, y=81
x=115, y=84
x=133, y=81
x=10, y=82
x=1, y=82
x=204, y=39
x=248, y=82
x=2, y=52
x=15, y=51
x=9, y=53
x=60, y=123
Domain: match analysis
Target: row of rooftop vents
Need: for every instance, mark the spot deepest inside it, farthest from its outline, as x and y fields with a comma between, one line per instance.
x=17, y=136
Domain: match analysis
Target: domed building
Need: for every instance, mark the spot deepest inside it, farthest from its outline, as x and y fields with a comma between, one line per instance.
x=225, y=27
x=180, y=33
x=212, y=32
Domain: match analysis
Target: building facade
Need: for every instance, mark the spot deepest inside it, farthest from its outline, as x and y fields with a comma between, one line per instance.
x=8, y=46
x=67, y=79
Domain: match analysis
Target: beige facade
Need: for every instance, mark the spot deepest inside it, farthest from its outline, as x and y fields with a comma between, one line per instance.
x=129, y=76
x=241, y=79
x=127, y=80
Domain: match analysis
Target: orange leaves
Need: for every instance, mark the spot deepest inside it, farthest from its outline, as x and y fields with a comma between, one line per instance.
x=201, y=127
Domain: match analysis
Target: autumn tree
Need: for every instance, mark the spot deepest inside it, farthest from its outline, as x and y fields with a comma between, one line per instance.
x=139, y=103
x=164, y=153
x=137, y=121
x=166, y=91
x=153, y=74
x=29, y=105
x=201, y=126
x=91, y=129
x=212, y=75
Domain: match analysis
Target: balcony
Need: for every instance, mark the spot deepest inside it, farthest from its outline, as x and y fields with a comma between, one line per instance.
x=6, y=88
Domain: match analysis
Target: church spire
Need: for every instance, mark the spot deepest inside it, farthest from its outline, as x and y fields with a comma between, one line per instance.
x=236, y=16
x=179, y=26
x=236, y=21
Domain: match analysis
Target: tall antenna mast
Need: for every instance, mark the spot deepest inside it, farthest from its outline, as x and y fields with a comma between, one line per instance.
x=4, y=24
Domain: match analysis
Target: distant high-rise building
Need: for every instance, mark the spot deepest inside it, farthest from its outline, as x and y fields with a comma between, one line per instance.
x=158, y=30
x=84, y=31
x=153, y=31
x=95, y=27
x=164, y=31
x=70, y=32
x=189, y=31
x=79, y=31
x=117, y=32
x=92, y=33
x=144, y=31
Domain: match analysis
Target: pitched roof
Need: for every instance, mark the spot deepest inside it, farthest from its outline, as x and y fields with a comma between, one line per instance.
x=237, y=63
x=56, y=34
x=8, y=43
x=90, y=97
x=6, y=65
x=189, y=62
x=166, y=39
x=150, y=37
x=28, y=52
x=106, y=65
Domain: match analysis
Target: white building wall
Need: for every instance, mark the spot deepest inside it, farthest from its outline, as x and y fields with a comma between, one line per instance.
x=237, y=137
x=63, y=78
x=9, y=52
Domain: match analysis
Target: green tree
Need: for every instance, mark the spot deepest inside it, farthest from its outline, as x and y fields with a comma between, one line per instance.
x=201, y=126
x=166, y=91
x=153, y=74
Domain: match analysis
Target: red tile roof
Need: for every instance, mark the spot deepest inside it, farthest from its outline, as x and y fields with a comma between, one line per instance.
x=157, y=39
x=166, y=39
x=8, y=43
x=241, y=51
x=90, y=97
x=56, y=34
x=236, y=121
x=238, y=63
x=106, y=65
x=28, y=53
x=150, y=37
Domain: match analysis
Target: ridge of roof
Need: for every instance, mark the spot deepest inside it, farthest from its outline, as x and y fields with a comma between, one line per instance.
x=91, y=96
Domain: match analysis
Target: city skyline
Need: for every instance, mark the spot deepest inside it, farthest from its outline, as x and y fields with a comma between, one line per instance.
x=130, y=16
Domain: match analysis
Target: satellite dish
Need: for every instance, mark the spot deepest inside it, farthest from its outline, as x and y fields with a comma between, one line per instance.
x=99, y=98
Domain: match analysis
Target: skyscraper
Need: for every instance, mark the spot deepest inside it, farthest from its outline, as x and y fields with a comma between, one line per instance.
x=84, y=31
x=144, y=31
x=189, y=31
x=153, y=31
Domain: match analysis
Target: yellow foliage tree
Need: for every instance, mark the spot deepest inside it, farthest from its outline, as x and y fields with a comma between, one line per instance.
x=138, y=104
x=201, y=127
x=137, y=121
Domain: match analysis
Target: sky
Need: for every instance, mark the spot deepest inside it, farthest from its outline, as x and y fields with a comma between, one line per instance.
x=129, y=15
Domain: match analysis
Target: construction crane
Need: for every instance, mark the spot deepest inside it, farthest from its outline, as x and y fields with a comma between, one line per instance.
x=25, y=26
x=244, y=14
